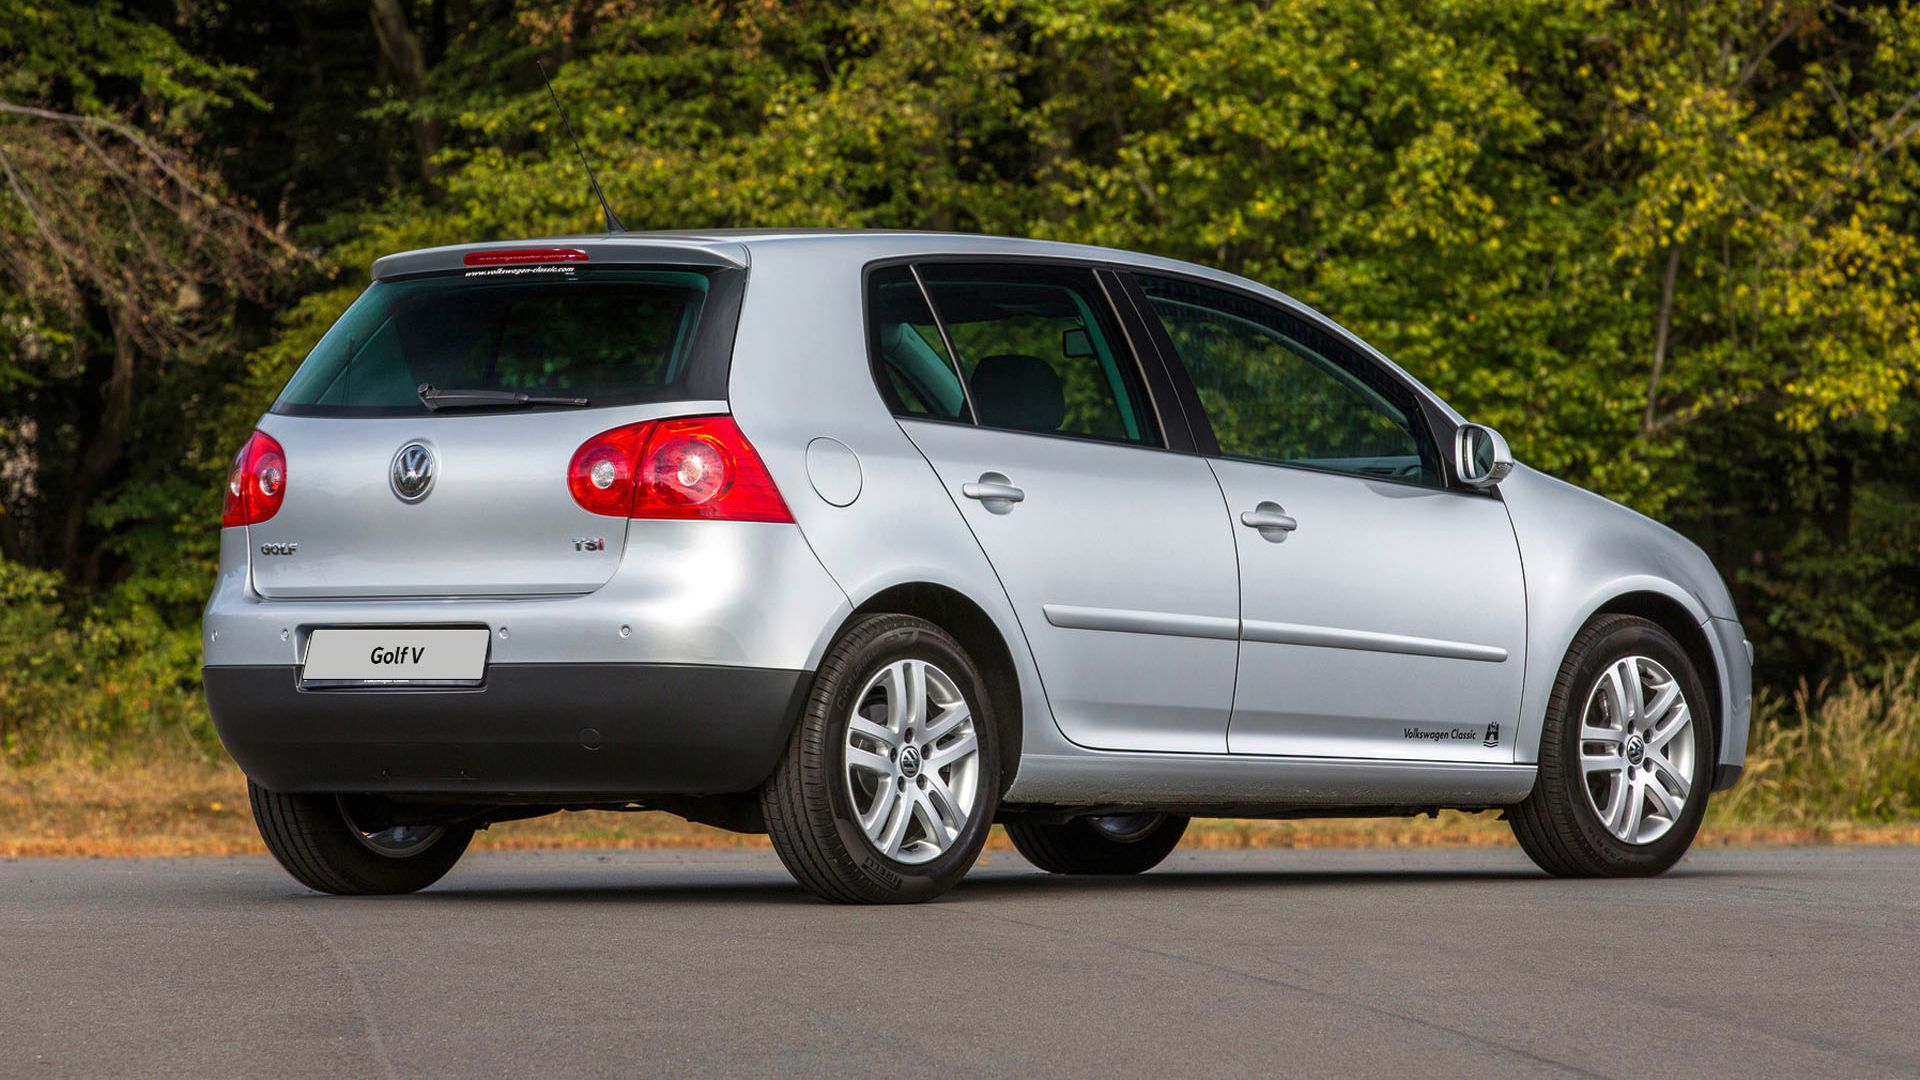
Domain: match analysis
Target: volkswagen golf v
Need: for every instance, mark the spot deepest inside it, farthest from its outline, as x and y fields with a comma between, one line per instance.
x=870, y=540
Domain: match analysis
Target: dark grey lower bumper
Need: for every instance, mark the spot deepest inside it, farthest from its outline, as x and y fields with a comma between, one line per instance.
x=559, y=731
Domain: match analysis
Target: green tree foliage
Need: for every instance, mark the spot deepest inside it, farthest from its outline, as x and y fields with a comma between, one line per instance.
x=1670, y=250
x=125, y=266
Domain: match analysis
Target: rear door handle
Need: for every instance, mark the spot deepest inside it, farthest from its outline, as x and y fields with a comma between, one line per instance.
x=993, y=491
x=1272, y=521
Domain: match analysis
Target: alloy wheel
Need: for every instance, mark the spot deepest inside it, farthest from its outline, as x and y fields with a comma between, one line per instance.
x=912, y=761
x=1637, y=747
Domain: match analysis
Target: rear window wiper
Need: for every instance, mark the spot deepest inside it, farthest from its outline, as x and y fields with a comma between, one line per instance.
x=484, y=399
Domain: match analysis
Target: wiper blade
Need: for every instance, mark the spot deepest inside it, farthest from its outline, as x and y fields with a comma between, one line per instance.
x=485, y=399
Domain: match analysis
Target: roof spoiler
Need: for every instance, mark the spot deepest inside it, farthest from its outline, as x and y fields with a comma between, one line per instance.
x=619, y=250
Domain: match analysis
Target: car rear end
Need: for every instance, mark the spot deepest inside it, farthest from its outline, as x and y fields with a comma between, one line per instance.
x=500, y=538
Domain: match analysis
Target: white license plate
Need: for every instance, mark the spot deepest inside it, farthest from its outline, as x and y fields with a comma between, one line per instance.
x=396, y=654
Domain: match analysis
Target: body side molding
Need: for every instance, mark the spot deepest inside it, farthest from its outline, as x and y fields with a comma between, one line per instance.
x=1122, y=620
x=1171, y=624
x=1328, y=637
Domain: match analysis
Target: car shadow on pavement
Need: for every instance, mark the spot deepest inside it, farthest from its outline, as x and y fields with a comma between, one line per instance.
x=675, y=885
x=768, y=885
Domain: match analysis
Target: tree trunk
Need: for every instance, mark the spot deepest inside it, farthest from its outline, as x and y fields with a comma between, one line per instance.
x=98, y=457
x=10, y=543
x=1662, y=329
x=401, y=48
x=1836, y=519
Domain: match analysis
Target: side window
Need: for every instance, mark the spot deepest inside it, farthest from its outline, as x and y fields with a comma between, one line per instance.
x=916, y=376
x=1278, y=389
x=1041, y=350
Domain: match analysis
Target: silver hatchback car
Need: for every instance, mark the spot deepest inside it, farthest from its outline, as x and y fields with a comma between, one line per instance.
x=870, y=540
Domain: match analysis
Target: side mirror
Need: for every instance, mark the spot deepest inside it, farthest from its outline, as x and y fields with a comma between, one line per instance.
x=1480, y=456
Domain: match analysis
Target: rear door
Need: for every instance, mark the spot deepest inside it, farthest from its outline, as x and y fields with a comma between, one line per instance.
x=1109, y=537
x=386, y=497
x=1383, y=614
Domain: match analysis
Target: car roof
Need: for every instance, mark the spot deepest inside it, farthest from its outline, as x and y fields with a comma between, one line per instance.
x=733, y=247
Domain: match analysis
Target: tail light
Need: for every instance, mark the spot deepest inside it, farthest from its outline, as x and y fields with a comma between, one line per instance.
x=257, y=483
x=698, y=467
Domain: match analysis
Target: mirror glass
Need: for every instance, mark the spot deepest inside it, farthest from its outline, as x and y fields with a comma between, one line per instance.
x=1479, y=453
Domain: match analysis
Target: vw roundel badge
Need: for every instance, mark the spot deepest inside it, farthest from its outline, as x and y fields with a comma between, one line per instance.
x=412, y=472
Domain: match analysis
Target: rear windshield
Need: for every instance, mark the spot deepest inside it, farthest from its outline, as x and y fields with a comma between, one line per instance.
x=612, y=336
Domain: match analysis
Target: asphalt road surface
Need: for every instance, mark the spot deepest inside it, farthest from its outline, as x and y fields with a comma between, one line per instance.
x=1457, y=963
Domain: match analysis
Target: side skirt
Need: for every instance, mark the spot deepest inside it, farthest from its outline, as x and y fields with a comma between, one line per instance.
x=1268, y=784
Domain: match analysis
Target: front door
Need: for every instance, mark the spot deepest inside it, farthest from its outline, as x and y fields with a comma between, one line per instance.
x=1112, y=547
x=1383, y=614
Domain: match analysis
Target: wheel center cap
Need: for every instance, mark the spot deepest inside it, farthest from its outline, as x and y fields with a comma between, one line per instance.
x=1636, y=750
x=910, y=762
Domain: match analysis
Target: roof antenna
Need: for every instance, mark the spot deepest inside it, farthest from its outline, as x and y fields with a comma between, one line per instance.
x=613, y=223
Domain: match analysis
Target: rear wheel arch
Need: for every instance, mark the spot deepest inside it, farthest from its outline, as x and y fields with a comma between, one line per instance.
x=974, y=629
x=1673, y=617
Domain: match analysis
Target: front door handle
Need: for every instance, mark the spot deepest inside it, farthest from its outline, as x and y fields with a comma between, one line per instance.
x=1271, y=520
x=993, y=491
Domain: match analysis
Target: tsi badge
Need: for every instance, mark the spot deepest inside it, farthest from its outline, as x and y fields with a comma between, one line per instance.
x=589, y=543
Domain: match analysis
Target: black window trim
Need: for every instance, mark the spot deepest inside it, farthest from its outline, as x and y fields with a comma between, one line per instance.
x=1429, y=415
x=1176, y=432
x=946, y=341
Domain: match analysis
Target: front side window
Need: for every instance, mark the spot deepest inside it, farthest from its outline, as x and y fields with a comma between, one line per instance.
x=1278, y=389
x=1041, y=350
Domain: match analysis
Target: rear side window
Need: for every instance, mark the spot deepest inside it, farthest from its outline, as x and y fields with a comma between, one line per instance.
x=1041, y=351
x=613, y=336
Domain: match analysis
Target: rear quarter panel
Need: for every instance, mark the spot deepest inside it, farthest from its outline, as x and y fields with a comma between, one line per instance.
x=800, y=373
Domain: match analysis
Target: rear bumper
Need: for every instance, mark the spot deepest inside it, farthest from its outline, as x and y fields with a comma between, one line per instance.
x=592, y=732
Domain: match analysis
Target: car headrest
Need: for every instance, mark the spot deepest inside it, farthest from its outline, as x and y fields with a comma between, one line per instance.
x=1019, y=392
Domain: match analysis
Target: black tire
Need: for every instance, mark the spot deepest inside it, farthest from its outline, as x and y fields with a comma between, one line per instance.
x=808, y=808
x=1558, y=825
x=1097, y=846
x=312, y=839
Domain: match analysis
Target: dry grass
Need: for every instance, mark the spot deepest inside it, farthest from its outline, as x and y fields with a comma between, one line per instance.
x=172, y=807
x=1846, y=753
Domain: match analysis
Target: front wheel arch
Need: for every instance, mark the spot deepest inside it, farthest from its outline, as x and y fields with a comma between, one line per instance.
x=1669, y=615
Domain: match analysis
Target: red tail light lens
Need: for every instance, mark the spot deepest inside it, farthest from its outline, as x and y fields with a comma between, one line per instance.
x=257, y=482
x=696, y=467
